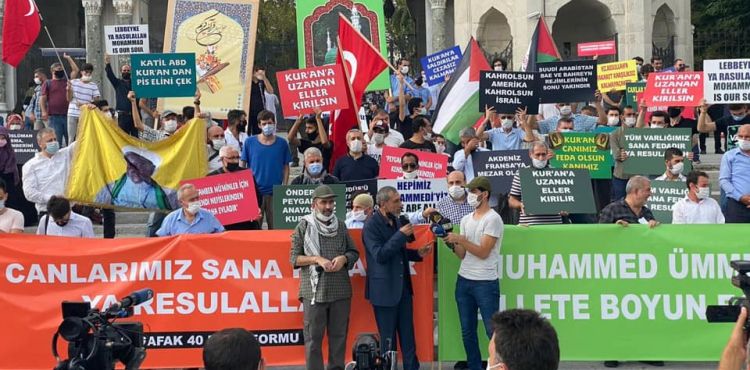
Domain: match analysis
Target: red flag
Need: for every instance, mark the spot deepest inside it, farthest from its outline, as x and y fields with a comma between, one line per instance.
x=343, y=120
x=363, y=61
x=20, y=29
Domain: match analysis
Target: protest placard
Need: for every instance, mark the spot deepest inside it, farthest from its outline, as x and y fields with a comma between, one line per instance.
x=615, y=76
x=24, y=143
x=551, y=191
x=587, y=49
x=631, y=90
x=163, y=75
x=500, y=167
x=302, y=90
x=588, y=151
x=126, y=39
x=431, y=165
x=230, y=197
x=291, y=202
x=443, y=63
x=731, y=136
x=417, y=195
x=567, y=81
x=508, y=91
x=645, y=148
x=664, y=195
x=727, y=81
x=356, y=187
x=676, y=89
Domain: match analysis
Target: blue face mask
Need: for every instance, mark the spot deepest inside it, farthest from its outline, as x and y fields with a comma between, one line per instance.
x=52, y=147
x=269, y=129
x=2, y=204
x=739, y=117
x=315, y=169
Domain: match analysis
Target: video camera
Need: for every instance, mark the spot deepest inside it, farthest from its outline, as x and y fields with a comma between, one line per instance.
x=95, y=342
x=366, y=354
x=730, y=312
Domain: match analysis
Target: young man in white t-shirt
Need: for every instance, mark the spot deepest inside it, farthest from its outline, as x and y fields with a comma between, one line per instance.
x=477, y=284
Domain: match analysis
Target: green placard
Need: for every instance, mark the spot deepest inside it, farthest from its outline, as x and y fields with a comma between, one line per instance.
x=646, y=146
x=664, y=195
x=318, y=22
x=732, y=136
x=163, y=75
x=631, y=90
x=551, y=191
x=582, y=151
x=611, y=292
x=291, y=202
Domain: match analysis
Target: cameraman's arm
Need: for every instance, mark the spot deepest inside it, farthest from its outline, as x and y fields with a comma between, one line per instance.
x=735, y=353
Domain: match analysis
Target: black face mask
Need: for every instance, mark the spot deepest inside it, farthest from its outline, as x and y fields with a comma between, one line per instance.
x=674, y=112
x=126, y=76
x=60, y=74
x=242, y=126
x=232, y=167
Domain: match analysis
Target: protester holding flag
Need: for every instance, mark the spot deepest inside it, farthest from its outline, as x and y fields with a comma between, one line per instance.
x=54, y=99
x=44, y=175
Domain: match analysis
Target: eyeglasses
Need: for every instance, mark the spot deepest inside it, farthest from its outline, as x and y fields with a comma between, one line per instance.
x=407, y=166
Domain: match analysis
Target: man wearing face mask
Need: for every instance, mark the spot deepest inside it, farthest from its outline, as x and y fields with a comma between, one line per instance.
x=122, y=87
x=362, y=206
x=34, y=110
x=581, y=123
x=260, y=84
x=314, y=171
x=421, y=140
x=617, y=144
x=631, y=209
x=236, y=134
x=676, y=120
x=230, y=160
x=44, y=175
x=697, y=207
x=409, y=166
x=675, y=162
x=734, y=177
x=439, y=141
x=499, y=65
x=380, y=124
x=314, y=136
x=83, y=91
x=191, y=218
x=62, y=221
x=355, y=165
x=407, y=83
x=405, y=123
x=54, y=98
x=269, y=157
x=539, y=154
x=523, y=340
x=454, y=206
x=215, y=141
x=737, y=116
x=505, y=137
x=477, y=284
x=423, y=93
x=462, y=160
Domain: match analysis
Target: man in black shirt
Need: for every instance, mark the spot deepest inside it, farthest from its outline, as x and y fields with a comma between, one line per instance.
x=631, y=209
x=355, y=165
x=421, y=140
x=737, y=117
x=314, y=136
x=260, y=85
x=122, y=88
x=676, y=120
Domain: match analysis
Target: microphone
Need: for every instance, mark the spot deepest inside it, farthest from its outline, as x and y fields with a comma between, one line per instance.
x=134, y=299
x=403, y=220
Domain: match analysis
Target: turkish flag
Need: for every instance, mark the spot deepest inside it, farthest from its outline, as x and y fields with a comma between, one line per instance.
x=21, y=27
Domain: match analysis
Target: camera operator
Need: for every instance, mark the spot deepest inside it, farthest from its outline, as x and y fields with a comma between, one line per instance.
x=735, y=353
x=233, y=348
x=477, y=284
x=388, y=286
x=322, y=247
x=523, y=340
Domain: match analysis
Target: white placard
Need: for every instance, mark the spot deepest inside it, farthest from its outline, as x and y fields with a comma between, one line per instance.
x=726, y=81
x=127, y=39
x=417, y=195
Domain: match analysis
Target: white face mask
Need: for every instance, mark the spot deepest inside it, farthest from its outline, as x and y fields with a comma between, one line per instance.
x=456, y=192
x=703, y=193
x=86, y=78
x=613, y=121
x=498, y=68
x=473, y=200
x=427, y=136
x=37, y=80
x=323, y=218
x=439, y=148
x=358, y=216
x=507, y=123
x=218, y=143
x=493, y=366
x=677, y=168
x=410, y=175
x=423, y=111
x=565, y=130
x=194, y=207
x=539, y=163
x=15, y=127
x=405, y=69
x=630, y=121
x=566, y=110
x=743, y=144
x=355, y=146
x=378, y=138
x=108, y=115
x=170, y=126
x=656, y=126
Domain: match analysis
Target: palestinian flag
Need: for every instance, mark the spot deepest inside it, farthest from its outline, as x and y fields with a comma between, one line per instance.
x=458, y=104
x=542, y=48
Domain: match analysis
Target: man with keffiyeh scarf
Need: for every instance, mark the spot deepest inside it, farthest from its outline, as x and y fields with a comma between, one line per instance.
x=323, y=249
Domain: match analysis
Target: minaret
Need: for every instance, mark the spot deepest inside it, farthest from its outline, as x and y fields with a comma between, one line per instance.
x=328, y=40
x=355, y=18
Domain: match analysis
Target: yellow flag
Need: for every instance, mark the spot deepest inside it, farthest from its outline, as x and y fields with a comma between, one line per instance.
x=113, y=169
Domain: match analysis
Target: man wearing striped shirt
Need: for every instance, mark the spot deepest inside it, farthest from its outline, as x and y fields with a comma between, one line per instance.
x=539, y=157
x=81, y=91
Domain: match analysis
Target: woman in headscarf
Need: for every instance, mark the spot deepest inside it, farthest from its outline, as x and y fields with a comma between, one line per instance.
x=8, y=165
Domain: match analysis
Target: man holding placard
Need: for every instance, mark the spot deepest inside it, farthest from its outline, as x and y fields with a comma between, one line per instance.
x=507, y=137
x=539, y=157
x=737, y=116
x=582, y=123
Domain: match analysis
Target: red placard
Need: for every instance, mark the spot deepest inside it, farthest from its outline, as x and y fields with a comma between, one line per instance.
x=431, y=165
x=675, y=89
x=230, y=197
x=588, y=49
x=302, y=90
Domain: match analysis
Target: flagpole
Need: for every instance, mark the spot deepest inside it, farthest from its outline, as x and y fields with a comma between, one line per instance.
x=49, y=36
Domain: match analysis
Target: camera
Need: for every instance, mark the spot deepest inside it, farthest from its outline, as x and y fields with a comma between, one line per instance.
x=367, y=355
x=95, y=341
x=730, y=312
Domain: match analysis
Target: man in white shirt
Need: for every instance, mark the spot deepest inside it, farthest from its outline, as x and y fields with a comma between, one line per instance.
x=62, y=221
x=675, y=162
x=44, y=175
x=81, y=91
x=11, y=221
x=697, y=207
x=389, y=136
x=477, y=284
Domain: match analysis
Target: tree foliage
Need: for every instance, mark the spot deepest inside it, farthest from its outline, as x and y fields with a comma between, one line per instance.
x=401, y=33
x=276, y=44
x=722, y=28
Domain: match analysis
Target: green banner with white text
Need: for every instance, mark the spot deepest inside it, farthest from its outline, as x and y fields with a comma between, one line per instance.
x=611, y=292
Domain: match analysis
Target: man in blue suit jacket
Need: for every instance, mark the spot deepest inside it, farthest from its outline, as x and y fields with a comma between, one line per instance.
x=388, y=286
